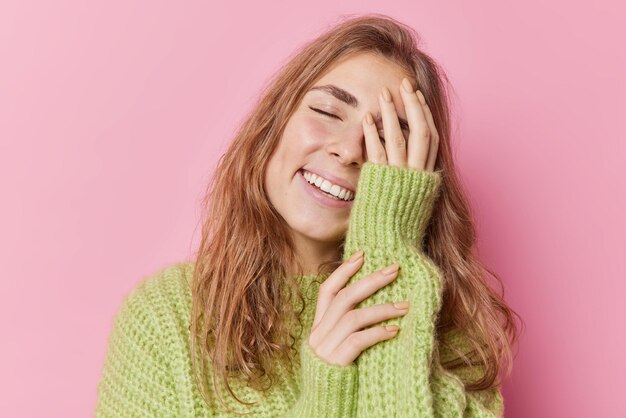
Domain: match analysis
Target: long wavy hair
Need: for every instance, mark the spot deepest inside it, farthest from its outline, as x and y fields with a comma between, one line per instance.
x=242, y=315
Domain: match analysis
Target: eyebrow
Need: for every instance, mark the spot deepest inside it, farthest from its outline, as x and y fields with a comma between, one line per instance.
x=352, y=101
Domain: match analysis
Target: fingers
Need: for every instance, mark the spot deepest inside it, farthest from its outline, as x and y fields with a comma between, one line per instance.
x=375, y=149
x=357, y=319
x=434, y=135
x=395, y=143
x=419, y=137
x=356, y=343
x=334, y=283
x=419, y=150
x=346, y=298
x=337, y=334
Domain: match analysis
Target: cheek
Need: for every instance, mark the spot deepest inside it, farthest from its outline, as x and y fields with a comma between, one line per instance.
x=314, y=131
x=303, y=136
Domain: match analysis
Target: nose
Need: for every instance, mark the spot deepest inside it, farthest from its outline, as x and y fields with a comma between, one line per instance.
x=348, y=147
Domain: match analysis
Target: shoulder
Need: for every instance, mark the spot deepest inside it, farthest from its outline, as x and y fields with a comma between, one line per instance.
x=158, y=298
x=169, y=281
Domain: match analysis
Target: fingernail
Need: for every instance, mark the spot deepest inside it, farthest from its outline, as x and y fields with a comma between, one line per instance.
x=369, y=118
x=390, y=270
x=420, y=95
x=407, y=85
x=401, y=305
x=392, y=328
x=386, y=94
x=355, y=257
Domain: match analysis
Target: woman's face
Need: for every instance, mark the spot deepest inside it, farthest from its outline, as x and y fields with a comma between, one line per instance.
x=332, y=147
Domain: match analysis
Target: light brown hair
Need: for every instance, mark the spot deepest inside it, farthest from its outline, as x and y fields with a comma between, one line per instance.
x=242, y=315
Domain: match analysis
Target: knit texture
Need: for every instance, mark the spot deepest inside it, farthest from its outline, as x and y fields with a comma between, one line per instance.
x=148, y=371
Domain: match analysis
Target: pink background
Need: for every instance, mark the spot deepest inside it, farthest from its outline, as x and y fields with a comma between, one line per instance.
x=113, y=115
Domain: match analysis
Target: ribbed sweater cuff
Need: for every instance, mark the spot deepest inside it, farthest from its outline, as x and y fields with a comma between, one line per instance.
x=391, y=203
x=328, y=390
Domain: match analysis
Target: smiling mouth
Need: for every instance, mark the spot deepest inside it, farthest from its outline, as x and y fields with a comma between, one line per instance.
x=322, y=197
x=329, y=195
x=344, y=195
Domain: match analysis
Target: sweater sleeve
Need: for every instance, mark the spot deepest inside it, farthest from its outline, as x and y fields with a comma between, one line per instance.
x=136, y=380
x=399, y=377
x=326, y=390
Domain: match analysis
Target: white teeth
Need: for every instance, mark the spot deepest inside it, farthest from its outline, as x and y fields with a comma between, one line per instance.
x=328, y=187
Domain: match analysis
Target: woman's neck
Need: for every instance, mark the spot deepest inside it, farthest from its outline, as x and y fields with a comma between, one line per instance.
x=310, y=254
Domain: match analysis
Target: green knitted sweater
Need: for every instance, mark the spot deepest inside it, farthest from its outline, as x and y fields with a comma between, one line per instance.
x=148, y=373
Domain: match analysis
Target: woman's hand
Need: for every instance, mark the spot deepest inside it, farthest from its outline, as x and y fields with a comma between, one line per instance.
x=421, y=151
x=337, y=334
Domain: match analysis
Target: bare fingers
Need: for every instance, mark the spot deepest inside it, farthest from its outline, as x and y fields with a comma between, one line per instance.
x=375, y=150
x=419, y=151
x=420, y=132
x=434, y=135
x=395, y=142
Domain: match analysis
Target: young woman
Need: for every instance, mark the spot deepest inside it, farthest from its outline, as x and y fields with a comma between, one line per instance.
x=335, y=276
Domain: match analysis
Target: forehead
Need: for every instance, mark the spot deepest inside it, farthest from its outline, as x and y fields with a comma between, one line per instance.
x=364, y=74
x=358, y=81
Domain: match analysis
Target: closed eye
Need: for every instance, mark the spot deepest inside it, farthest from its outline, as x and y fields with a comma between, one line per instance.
x=324, y=113
x=336, y=117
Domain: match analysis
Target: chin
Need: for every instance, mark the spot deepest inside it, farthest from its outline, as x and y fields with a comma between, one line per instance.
x=326, y=237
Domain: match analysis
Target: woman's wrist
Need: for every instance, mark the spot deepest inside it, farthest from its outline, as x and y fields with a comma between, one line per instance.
x=393, y=205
